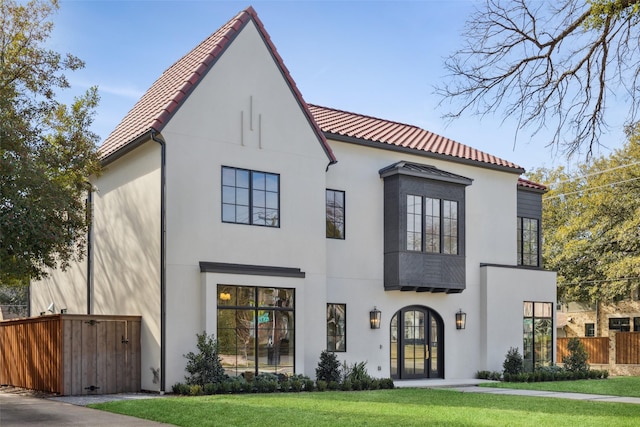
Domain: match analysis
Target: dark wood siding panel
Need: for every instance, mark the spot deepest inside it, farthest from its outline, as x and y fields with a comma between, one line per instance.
x=529, y=204
x=420, y=271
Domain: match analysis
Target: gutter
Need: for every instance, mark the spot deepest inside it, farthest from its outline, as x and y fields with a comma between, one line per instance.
x=89, y=246
x=163, y=251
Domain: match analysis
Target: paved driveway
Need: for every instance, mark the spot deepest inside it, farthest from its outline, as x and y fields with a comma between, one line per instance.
x=19, y=410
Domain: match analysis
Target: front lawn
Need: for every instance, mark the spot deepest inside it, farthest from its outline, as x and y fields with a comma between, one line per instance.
x=399, y=407
x=616, y=386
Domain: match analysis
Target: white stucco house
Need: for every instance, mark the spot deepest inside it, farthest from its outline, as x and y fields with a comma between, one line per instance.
x=230, y=205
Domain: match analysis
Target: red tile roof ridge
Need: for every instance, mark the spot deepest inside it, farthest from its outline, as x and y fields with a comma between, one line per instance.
x=400, y=134
x=362, y=115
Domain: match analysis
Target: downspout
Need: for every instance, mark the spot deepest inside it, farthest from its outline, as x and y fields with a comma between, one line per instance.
x=89, y=246
x=163, y=288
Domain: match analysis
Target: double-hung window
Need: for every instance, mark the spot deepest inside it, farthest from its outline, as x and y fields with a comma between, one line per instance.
x=432, y=225
x=250, y=197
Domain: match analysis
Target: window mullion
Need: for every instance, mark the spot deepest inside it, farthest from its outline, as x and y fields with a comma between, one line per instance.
x=442, y=231
x=423, y=219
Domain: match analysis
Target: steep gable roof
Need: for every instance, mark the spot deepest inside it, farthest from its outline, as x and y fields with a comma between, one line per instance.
x=162, y=100
x=352, y=127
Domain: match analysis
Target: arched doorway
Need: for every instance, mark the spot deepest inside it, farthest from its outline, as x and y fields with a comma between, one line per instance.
x=417, y=343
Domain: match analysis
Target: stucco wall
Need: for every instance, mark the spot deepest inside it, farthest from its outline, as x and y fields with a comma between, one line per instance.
x=126, y=279
x=504, y=290
x=125, y=258
x=355, y=265
x=242, y=115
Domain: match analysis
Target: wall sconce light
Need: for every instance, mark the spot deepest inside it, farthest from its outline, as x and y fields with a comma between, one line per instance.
x=374, y=318
x=461, y=319
x=225, y=296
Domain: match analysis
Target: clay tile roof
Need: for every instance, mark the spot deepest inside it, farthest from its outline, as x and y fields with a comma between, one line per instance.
x=340, y=124
x=160, y=102
x=525, y=183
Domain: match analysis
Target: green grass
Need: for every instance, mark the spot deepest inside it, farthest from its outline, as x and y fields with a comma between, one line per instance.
x=618, y=386
x=399, y=407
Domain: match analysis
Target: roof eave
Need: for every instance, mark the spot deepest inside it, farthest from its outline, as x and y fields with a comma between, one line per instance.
x=128, y=147
x=531, y=189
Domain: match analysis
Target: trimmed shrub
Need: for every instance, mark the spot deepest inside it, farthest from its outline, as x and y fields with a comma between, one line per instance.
x=321, y=385
x=210, y=388
x=513, y=363
x=265, y=383
x=285, y=385
x=237, y=384
x=205, y=366
x=328, y=367
x=296, y=384
x=333, y=385
x=386, y=383
x=195, y=390
x=482, y=375
x=180, y=388
x=308, y=384
x=576, y=360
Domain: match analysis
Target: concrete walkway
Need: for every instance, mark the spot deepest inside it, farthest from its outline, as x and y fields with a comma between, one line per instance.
x=18, y=410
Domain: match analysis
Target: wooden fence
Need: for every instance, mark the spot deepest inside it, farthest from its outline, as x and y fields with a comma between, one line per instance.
x=626, y=346
x=71, y=354
x=596, y=347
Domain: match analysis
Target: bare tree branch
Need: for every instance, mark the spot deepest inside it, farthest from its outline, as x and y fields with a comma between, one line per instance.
x=549, y=64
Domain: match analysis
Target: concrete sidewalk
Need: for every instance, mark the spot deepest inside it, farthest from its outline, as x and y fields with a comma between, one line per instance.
x=540, y=393
x=471, y=386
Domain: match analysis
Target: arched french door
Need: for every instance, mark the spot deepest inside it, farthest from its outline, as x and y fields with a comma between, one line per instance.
x=417, y=343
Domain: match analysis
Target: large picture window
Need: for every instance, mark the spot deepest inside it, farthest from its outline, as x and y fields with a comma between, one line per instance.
x=528, y=236
x=256, y=329
x=538, y=334
x=250, y=197
x=432, y=225
x=337, y=327
x=335, y=214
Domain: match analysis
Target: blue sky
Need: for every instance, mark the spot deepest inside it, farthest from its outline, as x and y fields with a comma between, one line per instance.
x=371, y=57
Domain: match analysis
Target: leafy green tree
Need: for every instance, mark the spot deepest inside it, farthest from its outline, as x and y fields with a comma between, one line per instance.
x=591, y=225
x=552, y=64
x=47, y=150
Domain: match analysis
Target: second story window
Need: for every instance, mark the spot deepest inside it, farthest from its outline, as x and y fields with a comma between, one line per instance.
x=335, y=214
x=437, y=227
x=250, y=197
x=528, y=237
